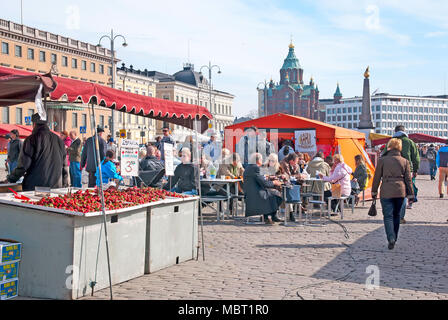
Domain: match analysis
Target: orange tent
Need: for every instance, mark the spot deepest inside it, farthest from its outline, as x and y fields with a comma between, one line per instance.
x=329, y=138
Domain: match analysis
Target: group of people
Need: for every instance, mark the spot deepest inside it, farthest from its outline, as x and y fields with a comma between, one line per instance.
x=437, y=159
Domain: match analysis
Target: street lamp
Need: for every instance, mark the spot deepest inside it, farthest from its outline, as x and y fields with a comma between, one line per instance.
x=210, y=68
x=265, y=91
x=112, y=39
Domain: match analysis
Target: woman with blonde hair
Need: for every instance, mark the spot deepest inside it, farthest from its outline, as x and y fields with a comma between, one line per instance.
x=340, y=175
x=271, y=167
x=394, y=172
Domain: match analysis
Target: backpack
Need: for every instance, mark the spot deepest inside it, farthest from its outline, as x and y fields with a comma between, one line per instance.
x=430, y=155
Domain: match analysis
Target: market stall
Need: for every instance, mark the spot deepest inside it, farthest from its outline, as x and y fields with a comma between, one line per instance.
x=320, y=136
x=64, y=255
x=86, y=241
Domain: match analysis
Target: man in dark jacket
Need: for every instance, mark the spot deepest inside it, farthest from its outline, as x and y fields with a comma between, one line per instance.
x=88, y=156
x=150, y=167
x=259, y=198
x=185, y=176
x=167, y=138
x=43, y=159
x=431, y=155
x=15, y=145
x=74, y=156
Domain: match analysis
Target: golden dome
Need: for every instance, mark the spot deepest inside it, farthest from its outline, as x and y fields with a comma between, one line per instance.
x=367, y=73
x=291, y=46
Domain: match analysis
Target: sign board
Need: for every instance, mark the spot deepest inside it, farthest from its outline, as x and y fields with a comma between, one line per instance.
x=83, y=129
x=129, y=158
x=305, y=141
x=122, y=133
x=28, y=120
x=169, y=159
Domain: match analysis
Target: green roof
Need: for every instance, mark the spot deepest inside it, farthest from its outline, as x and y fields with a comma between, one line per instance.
x=338, y=92
x=291, y=61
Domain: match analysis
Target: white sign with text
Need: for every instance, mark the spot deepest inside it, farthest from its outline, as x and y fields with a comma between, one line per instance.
x=169, y=159
x=129, y=158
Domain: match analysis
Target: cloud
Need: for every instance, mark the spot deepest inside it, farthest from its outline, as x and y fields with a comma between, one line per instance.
x=436, y=34
x=73, y=17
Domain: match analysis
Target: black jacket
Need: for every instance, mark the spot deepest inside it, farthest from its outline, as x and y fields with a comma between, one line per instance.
x=88, y=153
x=150, y=167
x=185, y=176
x=14, y=150
x=42, y=161
x=259, y=199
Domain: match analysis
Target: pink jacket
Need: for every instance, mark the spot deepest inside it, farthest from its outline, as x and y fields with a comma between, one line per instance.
x=341, y=175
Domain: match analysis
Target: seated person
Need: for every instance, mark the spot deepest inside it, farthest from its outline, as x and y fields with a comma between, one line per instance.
x=185, y=176
x=272, y=167
x=319, y=165
x=152, y=166
x=291, y=168
x=340, y=175
x=108, y=169
x=260, y=196
x=234, y=170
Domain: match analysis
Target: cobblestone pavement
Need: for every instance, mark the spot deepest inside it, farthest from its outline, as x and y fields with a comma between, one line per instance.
x=278, y=262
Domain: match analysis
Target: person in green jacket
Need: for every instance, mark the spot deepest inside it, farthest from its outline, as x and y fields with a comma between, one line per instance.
x=409, y=152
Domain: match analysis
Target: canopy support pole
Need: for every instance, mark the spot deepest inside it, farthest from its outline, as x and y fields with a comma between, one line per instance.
x=101, y=192
x=197, y=158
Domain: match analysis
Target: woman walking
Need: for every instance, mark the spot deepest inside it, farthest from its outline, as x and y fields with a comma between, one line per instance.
x=395, y=174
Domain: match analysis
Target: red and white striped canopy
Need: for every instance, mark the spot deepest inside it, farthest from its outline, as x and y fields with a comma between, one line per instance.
x=71, y=90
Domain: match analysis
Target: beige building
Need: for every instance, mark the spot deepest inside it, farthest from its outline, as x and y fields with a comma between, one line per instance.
x=139, y=82
x=34, y=50
x=189, y=86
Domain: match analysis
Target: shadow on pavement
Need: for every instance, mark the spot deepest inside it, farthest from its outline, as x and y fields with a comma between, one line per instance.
x=418, y=262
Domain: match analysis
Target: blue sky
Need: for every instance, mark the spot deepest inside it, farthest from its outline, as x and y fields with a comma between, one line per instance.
x=405, y=43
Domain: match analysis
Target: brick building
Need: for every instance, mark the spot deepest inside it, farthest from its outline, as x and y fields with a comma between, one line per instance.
x=291, y=95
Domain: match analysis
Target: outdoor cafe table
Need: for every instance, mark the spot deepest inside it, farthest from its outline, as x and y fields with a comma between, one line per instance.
x=223, y=182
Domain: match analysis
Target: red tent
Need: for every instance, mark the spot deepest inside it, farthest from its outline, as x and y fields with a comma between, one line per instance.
x=79, y=91
x=416, y=137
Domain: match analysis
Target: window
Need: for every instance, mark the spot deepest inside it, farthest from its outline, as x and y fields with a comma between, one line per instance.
x=74, y=63
x=30, y=54
x=83, y=65
x=84, y=120
x=5, y=115
x=19, y=115
x=92, y=67
x=30, y=112
x=101, y=69
x=74, y=120
x=102, y=121
x=18, y=51
x=54, y=58
x=5, y=47
x=64, y=61
x=109, y=71
x=42, y=57
x=109, y=121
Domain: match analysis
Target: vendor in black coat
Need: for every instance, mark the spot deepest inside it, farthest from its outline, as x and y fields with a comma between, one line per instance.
x=185, y=176
x=259, y=198
x=43, y=159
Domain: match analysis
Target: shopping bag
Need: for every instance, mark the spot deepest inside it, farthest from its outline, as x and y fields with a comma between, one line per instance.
x=372, y=210
x=336, y=190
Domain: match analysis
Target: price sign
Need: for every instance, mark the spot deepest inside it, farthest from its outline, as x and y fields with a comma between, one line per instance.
x=129, y=158
x=169, y=159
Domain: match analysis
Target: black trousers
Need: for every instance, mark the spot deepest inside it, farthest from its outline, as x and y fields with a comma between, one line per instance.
x=92, y=180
